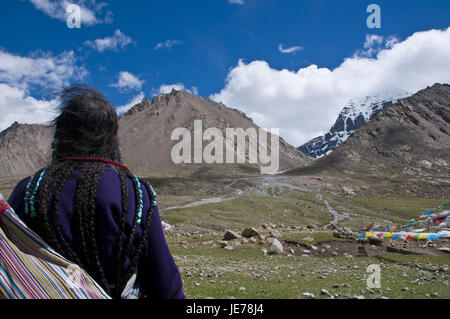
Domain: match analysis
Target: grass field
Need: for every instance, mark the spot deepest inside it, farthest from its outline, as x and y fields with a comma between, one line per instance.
x=209, y=271
x=245, y=272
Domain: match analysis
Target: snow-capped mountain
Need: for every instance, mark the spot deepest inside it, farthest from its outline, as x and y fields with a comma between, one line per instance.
x=355, y=114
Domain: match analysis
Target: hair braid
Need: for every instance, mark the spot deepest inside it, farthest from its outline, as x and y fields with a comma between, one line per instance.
x=95, y=171
x=43, y=197
x=79, y=209
x=67, y=170
x=121, y=221
x=146, y=231
x=131, y=236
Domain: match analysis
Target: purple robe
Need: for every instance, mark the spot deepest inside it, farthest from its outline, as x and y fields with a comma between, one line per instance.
x=158, y=275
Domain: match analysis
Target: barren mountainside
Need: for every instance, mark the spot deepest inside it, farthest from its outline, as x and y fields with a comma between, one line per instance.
x=145, y=134
x=24, y=148
x=411, y=137
x=145, y=138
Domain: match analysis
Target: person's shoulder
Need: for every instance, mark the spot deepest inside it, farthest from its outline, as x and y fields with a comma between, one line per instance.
x=18, y=194
x=20, y=187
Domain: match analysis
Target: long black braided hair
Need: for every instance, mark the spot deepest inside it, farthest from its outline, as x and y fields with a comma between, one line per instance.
x=87, y=128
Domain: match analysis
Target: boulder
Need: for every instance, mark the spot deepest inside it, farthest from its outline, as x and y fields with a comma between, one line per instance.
x=230, y=235
x=250, y=232
x=341, y=232
x=276, y=247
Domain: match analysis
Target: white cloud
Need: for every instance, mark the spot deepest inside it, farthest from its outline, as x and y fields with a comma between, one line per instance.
x=167, y=44
x=90, y=10
x=17, y=106
x=19, y=75
x=114, y=42
x=241, y=2
x=167, y=88
x=39, y=69
x=374, y=44
x=124, y=108
x=305, y=103
x=128, y=81
x=289, y=50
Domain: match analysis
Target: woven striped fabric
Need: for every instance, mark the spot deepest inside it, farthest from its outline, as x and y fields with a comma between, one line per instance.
x=30, y=269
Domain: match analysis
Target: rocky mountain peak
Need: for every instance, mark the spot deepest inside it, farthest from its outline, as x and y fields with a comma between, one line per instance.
x=356, y=113
x=410, y=137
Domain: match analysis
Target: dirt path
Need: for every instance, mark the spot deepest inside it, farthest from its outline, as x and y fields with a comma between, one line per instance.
x=265, y=185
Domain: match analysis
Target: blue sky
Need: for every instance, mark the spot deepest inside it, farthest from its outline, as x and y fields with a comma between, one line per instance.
x=196, y=44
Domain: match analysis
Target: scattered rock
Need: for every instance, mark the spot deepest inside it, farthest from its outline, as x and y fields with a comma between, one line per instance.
x=275, y=233
x=348, y=191
x=230, y=235
x=425, y=163
x=250, y=232
x=223, y=243
x=444, y=249
x=341, y=232
x=276, y=247
x=324, y=292
x=166, y=226
x=309, y=295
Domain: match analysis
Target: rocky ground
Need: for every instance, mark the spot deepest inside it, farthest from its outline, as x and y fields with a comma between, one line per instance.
x=268, y=238
x=285, y=262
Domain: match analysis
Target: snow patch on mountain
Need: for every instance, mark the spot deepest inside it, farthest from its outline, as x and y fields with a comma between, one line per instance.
x=355, y=114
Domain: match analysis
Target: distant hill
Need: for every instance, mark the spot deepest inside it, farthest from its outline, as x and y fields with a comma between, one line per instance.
x=144, y=136
x=410, y=137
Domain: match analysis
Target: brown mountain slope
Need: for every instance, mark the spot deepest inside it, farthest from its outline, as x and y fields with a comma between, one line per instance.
x=411, y=137
x=24, y=148
x=144, y=136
